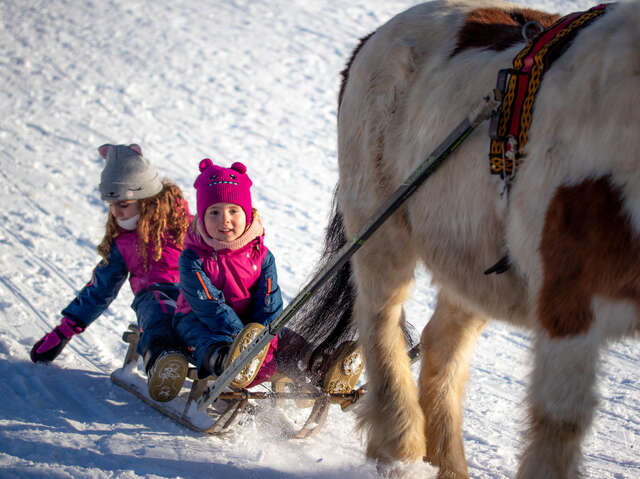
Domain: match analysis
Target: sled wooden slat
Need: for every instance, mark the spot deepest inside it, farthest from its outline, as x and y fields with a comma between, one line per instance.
x=219, y=426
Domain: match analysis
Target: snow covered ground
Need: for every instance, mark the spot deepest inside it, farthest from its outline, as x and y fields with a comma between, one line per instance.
x=248, y=80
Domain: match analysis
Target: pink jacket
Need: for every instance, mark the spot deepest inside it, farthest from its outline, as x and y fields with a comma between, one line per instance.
x=234, y=272
x=165, y=270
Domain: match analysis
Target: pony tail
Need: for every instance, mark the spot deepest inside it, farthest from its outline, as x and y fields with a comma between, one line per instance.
x=324, y=321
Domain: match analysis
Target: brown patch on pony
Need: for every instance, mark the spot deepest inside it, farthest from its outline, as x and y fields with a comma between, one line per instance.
x=345, y=73
x=496, y=29
x=588, y=248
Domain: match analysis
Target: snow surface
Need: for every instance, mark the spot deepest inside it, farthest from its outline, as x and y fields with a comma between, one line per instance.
x=248, y=80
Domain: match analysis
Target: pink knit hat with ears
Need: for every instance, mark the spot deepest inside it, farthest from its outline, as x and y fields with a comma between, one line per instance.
x=216, y=184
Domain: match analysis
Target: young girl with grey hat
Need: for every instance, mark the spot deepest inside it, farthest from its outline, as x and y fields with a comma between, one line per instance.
x=146, y=225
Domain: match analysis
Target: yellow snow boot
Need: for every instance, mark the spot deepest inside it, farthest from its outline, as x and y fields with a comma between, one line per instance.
x=345, y=366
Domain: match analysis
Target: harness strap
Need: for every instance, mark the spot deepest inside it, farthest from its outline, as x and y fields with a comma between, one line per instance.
x=518, y=86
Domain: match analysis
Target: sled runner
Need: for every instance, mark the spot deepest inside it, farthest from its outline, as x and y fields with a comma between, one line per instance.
x=217, y=417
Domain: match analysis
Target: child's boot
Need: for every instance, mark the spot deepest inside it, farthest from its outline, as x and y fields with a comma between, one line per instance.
x=167, y=375
x=345, y=366
x=50, y=346
x=246, y=376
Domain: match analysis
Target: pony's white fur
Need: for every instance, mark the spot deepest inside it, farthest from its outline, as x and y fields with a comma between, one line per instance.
x=403, y=95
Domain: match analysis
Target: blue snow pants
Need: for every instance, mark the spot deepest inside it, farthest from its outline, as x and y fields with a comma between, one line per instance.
x=154, y=309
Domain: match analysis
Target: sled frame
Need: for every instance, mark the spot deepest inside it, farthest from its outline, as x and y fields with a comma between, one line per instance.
x=238, y=398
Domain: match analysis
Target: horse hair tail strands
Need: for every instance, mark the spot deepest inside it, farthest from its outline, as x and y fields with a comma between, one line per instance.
x=325, y=320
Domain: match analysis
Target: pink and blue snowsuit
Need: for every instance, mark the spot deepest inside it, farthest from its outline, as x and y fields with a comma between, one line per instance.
x=155, y=290
x=220, y=292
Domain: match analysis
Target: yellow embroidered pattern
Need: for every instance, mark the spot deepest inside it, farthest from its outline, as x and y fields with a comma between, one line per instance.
x=505, y=154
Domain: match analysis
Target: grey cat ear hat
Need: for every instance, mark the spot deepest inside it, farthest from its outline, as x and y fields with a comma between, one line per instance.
x=127, y=174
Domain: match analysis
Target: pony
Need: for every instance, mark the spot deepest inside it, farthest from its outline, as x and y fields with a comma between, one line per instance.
x=567, y=227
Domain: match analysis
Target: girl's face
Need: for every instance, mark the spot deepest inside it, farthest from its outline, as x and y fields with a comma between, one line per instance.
x=225, y=221
x=123, y=210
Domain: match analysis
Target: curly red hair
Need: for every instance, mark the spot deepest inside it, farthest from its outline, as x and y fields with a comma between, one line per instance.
x=164, y=213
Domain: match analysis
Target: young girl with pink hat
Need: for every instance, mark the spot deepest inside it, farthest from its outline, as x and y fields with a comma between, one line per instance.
x=228, y=280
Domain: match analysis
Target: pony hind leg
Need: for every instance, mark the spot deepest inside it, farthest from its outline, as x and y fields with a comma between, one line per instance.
x=447, y=344
x=562, y=399
x=588, y=295
x=391, y=416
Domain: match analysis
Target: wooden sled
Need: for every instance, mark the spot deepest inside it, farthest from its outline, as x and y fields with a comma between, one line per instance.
x=219, y=416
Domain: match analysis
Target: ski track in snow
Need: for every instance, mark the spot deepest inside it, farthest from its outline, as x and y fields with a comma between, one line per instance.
x=235, y=80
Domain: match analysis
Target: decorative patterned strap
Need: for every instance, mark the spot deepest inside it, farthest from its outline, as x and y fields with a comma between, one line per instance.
x=519, y=85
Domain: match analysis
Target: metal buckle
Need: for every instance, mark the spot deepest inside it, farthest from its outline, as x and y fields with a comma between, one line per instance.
x=531, y=29
x=502, y=82
x=498, y=93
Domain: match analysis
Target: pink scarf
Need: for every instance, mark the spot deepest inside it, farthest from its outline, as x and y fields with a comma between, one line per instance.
x=254, y=230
